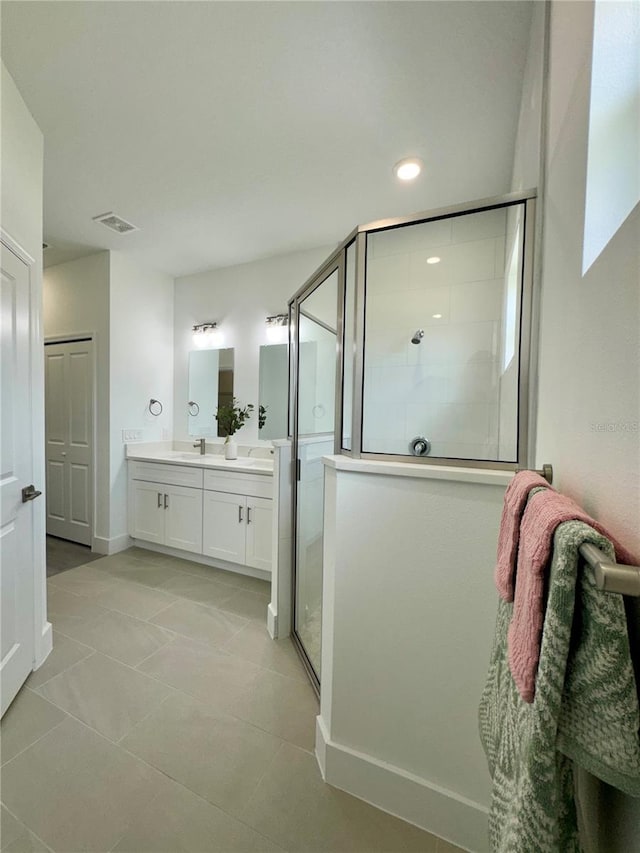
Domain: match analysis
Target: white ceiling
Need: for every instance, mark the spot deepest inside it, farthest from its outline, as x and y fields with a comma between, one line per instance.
x=230, y=131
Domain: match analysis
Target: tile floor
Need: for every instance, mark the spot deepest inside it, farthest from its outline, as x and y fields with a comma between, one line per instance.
x=167, y=721
x=63, y=555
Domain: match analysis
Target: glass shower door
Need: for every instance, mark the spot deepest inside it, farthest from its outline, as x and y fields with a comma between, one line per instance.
x=314, y=436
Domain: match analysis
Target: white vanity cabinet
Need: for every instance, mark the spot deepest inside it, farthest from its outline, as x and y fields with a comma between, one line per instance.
x=164, y=511
x=237, y=519
x=220, y=514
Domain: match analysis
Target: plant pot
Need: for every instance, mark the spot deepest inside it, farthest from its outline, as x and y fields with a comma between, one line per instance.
x=230, y=448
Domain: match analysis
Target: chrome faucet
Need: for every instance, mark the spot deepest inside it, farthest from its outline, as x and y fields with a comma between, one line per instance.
x=200, y=443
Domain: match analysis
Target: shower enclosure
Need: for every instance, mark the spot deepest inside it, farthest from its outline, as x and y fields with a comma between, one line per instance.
x=410, y=344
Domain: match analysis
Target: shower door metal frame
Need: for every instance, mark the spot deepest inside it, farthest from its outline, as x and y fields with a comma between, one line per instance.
x=335, y=263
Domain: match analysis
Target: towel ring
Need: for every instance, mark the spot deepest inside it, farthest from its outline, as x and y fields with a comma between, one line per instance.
x=156, y=403
x=193, y=405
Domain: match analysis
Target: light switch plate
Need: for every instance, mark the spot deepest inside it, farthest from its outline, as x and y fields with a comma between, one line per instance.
x=132, y=435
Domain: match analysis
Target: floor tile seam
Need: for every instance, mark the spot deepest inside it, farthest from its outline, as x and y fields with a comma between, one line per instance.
x=201, y=604
x=221, y=808
x=39, y=738
x=111, y=658
x=171, y=695
x=90, y=649
x=27, y=827
x=302, y=679
x=220, y=580
x=97, y=731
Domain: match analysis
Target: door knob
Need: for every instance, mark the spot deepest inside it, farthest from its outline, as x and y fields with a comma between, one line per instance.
x=29, y=493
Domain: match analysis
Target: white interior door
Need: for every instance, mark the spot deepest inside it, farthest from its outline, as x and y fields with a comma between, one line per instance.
x=69, y=439
x=16, y=464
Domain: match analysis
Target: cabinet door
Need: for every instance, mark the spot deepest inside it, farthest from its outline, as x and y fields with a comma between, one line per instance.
x=259, y=533
x=146, y=511
x=223, y=533
x=183, y=518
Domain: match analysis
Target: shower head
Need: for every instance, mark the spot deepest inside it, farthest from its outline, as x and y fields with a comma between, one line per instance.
x=417, y=338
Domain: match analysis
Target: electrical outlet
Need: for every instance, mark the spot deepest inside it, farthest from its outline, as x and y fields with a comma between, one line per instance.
x=132, y=435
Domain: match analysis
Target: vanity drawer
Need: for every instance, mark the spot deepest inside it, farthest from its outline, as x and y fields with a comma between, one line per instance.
x=172, y=475
x=239, y=484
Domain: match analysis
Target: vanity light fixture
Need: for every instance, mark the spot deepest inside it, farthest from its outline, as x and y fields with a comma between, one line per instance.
x=408, y=169
x=277, y=328
x=433, y=260
x=206, y=335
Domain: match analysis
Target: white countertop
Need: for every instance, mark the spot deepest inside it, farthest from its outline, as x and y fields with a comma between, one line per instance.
x=243, y=464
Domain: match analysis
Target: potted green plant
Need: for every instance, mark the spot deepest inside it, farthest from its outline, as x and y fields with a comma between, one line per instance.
x=231, y=417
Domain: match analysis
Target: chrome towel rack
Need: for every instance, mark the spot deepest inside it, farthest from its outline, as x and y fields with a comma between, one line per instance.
x=611, y=577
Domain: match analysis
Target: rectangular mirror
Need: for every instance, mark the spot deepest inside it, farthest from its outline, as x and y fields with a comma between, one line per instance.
x=210, y=385
x=273, y=391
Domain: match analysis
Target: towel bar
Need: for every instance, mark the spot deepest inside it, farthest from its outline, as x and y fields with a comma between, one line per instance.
x=611, y=577
x=546, y=471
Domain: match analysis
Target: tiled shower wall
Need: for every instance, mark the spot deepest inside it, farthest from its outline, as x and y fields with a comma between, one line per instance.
x=447, y=388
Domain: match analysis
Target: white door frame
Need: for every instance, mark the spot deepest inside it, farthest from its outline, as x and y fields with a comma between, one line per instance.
x=70, y=338
x=43, y=640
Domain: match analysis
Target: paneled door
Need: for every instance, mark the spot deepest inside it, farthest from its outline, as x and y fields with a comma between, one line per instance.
x=69, y=439
x=16, y=486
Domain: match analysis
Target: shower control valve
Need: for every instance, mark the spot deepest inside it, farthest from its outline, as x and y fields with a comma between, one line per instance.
x=420, y=446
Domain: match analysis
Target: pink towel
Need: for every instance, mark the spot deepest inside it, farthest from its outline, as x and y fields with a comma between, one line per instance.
x=544, y=512
x=515, y=500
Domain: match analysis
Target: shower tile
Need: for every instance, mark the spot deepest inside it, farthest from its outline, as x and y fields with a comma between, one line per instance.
x=203, y=624
x=475, y=302
x=215, y=755
x=106, y=695
x=76, y=790
x=479, y=226
x=180, y=820
x=451, y=422
x=390, y=272
x=413, y=238
x=295, y=808
x=29, y=717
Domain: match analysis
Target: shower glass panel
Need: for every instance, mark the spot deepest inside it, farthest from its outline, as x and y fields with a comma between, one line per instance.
x=315, y=423
x=442, y=336
x=348, y=344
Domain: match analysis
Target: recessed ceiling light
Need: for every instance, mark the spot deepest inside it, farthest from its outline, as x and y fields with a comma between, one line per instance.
x=437, y=316
x=409, y=169
x=433, y=260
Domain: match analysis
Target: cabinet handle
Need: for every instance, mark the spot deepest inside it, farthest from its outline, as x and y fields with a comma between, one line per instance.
x=159, y=500
x=166, y=501
x=248, y=515
x=239, y=515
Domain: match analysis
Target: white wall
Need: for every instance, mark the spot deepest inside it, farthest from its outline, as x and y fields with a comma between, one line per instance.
x=141, y=367
x=239, y=299
x=22, y=151
x=446, y=387
x=76, y=301
x=589, y=375
x=408, y=617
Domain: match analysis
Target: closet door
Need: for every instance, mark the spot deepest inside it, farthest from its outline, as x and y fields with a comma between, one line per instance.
x=69, y=439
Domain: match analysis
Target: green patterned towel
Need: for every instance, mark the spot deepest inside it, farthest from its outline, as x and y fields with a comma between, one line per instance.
x=585, y=708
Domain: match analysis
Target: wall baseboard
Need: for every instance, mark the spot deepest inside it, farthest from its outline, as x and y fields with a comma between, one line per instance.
x=44, y=645
x=102, y=545
x=272, y=621
x=205, y=561
x=397, y=792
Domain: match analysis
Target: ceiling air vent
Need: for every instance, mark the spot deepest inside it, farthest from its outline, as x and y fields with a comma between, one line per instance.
x=115, y=223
